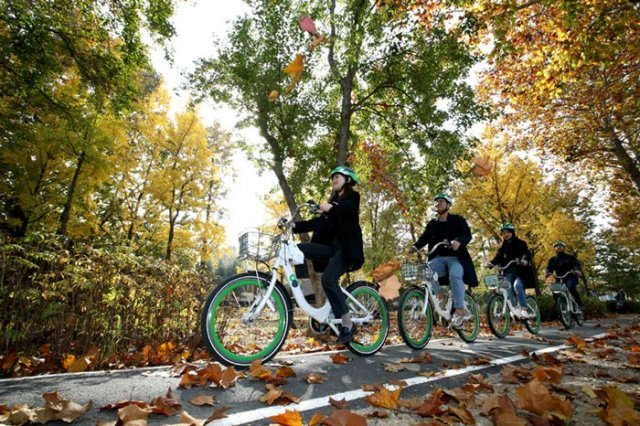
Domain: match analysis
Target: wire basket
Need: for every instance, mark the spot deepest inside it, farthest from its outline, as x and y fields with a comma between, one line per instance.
x=557, y=287
x=412, y=271
x=256, y=245
x=496, y=281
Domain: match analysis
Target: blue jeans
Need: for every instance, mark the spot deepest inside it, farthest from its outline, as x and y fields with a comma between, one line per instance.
x=517, y=286
x=440, y=266
x=571, y=282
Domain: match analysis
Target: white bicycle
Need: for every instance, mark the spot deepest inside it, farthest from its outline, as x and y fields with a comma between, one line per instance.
x=501, y=306
x=420, y=306
x=247, y=317
x=565, y=303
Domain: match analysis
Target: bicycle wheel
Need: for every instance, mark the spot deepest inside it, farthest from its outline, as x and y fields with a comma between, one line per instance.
x=415, y=328
x=232, y=341
x=579, y=317
x=533, y=324
x=370, y=336
x=499, y=322
x=471, y=327
x=562, y=304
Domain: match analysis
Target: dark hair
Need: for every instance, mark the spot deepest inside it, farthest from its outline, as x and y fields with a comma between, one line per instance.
x=335, y=196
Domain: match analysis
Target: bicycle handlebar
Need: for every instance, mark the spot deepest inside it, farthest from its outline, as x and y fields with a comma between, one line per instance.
x=445, y=244
x=573, y=271
x=314, y=207
x=502, y=268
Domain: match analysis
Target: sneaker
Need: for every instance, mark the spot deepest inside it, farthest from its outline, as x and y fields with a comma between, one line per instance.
x=346, y=334
x=458, y=318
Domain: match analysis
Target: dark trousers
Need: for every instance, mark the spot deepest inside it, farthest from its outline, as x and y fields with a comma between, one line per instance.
x=572, y=284
x=332, y=273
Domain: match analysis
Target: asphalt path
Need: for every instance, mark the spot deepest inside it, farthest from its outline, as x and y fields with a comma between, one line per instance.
x=343, y=380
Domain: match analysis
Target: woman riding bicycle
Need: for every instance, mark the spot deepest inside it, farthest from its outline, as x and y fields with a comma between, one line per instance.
x=562, y=263
x=520, y=276
x=336, y=245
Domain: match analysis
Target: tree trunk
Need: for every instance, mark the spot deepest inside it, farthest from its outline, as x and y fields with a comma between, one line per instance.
x=629, y=165
x=345, y=117
x=66, y=212
x=172, y=225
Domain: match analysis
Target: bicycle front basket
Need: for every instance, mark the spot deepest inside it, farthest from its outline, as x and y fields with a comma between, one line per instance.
x=256, y=246
x=491, y=281
x=411, y=271
x=556, y=287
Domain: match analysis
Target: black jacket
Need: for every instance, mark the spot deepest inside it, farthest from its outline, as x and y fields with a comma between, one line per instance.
x=340, y=225
x=516, y=249
x=455, y=228
x=562, y=263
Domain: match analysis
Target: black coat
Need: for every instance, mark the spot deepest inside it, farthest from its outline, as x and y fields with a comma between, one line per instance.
x=456, y=229
x=562, y=263
x=516, y=249
x=341, y=226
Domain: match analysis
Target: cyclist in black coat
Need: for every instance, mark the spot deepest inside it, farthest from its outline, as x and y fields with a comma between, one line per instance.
x=519, y=275
x=336, y=245
x=562, y=263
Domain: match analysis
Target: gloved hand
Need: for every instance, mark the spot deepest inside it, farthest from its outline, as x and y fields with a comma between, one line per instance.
x=413, y=249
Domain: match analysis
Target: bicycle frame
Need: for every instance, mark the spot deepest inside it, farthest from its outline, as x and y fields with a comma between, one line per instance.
x=504, y=289
x=573, y=305
x=443, y=312
x=323, y=314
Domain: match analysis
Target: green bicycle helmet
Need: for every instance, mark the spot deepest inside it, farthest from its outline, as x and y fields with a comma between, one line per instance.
x=559, y=243
x=444, y=197
x=508, y=226
x=346, y=172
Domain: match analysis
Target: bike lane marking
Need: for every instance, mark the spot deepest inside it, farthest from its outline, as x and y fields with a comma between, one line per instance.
x=317, y=403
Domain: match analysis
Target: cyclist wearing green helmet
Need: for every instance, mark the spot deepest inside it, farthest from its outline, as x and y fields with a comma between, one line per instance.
x=336, y=246
x=520, y=275
x=453, y=261
x=562, y=263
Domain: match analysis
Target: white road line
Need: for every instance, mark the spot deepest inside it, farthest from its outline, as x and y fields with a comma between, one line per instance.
x=317, y=403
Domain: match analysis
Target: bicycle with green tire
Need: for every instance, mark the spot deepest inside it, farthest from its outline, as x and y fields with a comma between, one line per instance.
x=421, y=305
x=247, y=317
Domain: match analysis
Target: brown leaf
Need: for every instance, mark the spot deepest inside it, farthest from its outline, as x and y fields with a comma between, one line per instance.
x=379, y=414
x=345, y=418
x=228, y=378
x=64, y=409
x=339, y=404
x=258, y=371
x=338, y=358
x=121, y=404
x=288, y=418
x=619, y=408
x=133, y=413
x=548, y=375
x=79, y=365
x=276, y=394
x=390, y=288
x=431, y=405
x=317, y=419
x=425, y=357
x=202, y=400
x=169, y=405
x=314, y=378
x=578, y=342
x=218, y=413
x=514, y=375
x=393, y=368
x=188, y=419
x=385, y=398
x=285, y=371
x=463, y=414
x=536, y=398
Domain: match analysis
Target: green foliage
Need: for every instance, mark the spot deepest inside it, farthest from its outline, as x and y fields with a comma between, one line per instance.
x=106, y=297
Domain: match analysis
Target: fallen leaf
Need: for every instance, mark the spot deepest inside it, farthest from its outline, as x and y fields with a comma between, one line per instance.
x=285, y=371
x=314, y=378
x=619, y=408
x=338, y=358
x=340, y=404
x=536, y=398
x=463, y=414
x=188, y=419
x=317, y=419
x=431, y=405
x=218, y=413
x=548, y=374
x=345, y=418
x=288, y=418
x=133, y=413
x=202, y=400
x=385, y=398
x=393, y=368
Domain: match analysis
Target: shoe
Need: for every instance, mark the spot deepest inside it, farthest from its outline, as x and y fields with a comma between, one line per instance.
x=458, y=319
x=346, y=334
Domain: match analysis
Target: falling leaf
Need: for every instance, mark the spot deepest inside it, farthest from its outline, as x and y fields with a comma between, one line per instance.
x=288, y=418
x=317, y=41
x=385, y=270
x=273, y=95
x=345, y=418
x=338, y=358
x=294, y=69
x=202, y=400
x=536, y=398
x=385, y=398
x=482, y=166
x=307, y=24
x=390, y=288
x=340, y=404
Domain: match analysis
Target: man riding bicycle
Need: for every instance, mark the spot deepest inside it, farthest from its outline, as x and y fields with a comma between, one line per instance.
x=455, y=258
x=520, y=276
x=562, y=263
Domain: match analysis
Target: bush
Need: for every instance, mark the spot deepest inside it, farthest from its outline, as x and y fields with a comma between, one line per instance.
x=104, y=299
